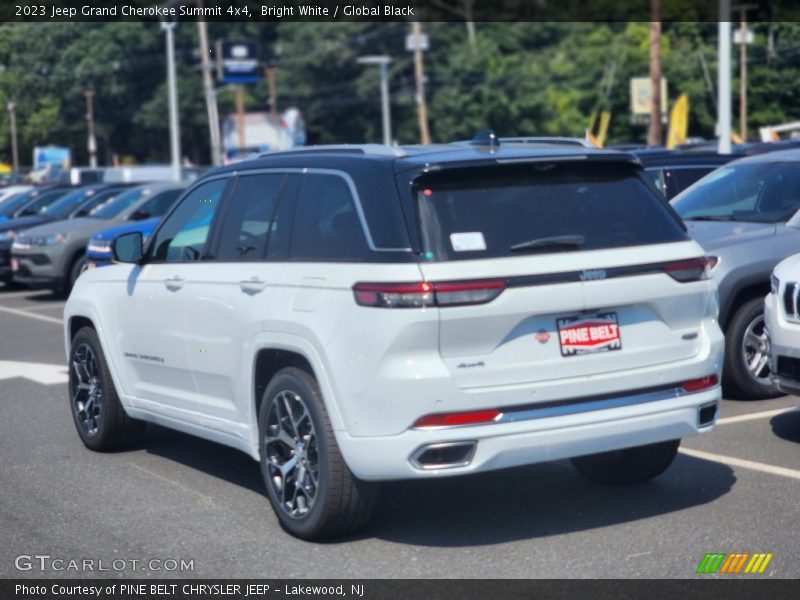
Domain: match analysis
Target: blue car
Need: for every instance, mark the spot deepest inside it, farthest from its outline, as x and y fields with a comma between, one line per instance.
x=162, y=197
x=98, y=250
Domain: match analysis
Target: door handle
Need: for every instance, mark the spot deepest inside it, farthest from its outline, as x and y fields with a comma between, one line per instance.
x=252, y=286
x=174, y=283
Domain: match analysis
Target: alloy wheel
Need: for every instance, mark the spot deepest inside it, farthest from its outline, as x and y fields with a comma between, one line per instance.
x=87, y=389
x=290, y=443
x=755, y=350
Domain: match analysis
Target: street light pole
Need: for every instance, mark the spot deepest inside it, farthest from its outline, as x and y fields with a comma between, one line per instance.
x=91, y=143
x=724, y=77
x=386, y=118
x=211, y=97
x=174, y=127
x=12, y=114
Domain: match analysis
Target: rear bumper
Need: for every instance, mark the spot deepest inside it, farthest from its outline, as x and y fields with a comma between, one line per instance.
x=502, y=445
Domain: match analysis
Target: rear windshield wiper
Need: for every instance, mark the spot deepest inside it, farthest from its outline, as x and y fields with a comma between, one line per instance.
x=710, y=218
x=547, y=243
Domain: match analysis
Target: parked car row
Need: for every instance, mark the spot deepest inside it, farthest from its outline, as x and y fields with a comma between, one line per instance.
x=44, y=231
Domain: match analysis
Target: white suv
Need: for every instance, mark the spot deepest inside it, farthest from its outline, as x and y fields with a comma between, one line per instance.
x=347, y=315
x=782, y=321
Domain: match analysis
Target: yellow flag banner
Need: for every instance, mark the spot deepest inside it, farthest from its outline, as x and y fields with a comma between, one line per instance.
x=678, y=122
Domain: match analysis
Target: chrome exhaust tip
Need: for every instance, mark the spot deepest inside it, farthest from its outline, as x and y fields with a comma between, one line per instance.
x=444, y=455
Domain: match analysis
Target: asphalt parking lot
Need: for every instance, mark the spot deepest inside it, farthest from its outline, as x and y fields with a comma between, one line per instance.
x=180, y=498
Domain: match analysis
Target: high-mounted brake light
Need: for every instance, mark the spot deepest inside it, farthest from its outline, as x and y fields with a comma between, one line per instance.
x=696, y=385
x=416, y=295
x=693, y=269
x=460, y=418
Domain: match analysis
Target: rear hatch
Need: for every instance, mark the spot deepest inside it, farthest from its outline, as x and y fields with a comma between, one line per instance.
x=557, y=270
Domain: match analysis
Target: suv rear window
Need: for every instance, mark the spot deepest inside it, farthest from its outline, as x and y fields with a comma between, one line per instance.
x=503, y=211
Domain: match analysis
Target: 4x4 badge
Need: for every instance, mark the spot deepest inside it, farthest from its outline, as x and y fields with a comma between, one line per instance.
x=591, y=274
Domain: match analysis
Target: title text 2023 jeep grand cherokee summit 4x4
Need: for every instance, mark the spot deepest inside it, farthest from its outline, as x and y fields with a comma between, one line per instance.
x=357, y=314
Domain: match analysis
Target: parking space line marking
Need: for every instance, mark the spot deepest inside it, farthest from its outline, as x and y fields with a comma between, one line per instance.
x=203, y=497
x=37, y=308
x=46, y=374
x=753, y=416
x=20, y=294
x=30, y=315
x=744, y=464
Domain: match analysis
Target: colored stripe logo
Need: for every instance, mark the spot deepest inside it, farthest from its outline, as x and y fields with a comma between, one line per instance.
x=734, y=563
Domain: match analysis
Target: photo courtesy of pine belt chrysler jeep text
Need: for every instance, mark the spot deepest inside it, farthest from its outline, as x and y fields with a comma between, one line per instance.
x=352, y=314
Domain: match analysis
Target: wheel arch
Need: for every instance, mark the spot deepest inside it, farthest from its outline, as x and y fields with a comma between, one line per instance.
x=744, y=293
x=290, y=351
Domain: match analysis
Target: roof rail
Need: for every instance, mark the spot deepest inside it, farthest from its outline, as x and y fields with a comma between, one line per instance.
x=553, y=140
x=368, y=149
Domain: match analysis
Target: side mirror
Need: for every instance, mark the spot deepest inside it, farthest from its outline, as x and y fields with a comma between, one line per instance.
x=127, y=248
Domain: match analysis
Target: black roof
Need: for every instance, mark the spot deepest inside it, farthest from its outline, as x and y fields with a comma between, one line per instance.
x=403, y=158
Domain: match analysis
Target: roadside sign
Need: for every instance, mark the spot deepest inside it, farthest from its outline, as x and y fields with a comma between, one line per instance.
x=640, y=96
x=414, y=41
x=749, y=38
x=237, y=61
x=51, y=155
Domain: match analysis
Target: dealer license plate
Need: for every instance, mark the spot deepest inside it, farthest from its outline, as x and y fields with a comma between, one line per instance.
x=587, y=334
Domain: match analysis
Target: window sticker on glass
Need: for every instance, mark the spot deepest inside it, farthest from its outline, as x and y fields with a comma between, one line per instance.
x=468, y=242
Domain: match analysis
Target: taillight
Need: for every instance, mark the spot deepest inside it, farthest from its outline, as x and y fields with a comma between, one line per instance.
x=394, y=295
x=696, y=385
x=693, y=269
x=415, y=295
x=459, y=418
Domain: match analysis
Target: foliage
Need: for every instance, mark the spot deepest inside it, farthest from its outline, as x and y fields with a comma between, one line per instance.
x=518, y=78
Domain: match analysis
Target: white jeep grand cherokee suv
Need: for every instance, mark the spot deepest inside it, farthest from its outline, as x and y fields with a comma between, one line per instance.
x=346, y=315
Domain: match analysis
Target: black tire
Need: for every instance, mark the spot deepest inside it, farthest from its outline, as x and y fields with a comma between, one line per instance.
x=630, y=465
x=75, y=271
x=335, y=502
x=99, y=417
x=738, y=381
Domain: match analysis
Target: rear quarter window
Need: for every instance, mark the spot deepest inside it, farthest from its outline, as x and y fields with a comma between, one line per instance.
x=484, y=212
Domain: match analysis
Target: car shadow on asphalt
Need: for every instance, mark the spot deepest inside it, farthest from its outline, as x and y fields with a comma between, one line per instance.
x=213, y=459
x=488, y=508
x=536, y=501
x=787, y=426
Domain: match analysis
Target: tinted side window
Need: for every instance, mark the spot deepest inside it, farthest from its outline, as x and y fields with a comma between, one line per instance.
x=680, y=179
x=159, y=204
x=249, y=218
x=184, y=234
x=326, y=224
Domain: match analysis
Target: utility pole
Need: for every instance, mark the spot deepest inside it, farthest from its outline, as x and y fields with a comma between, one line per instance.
x=724, y=77
x=12, y=115
x=174, y=126
x=743, y=69
x=419, y=74
x=211, y=97
x=654, y=132
x=91, y=143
